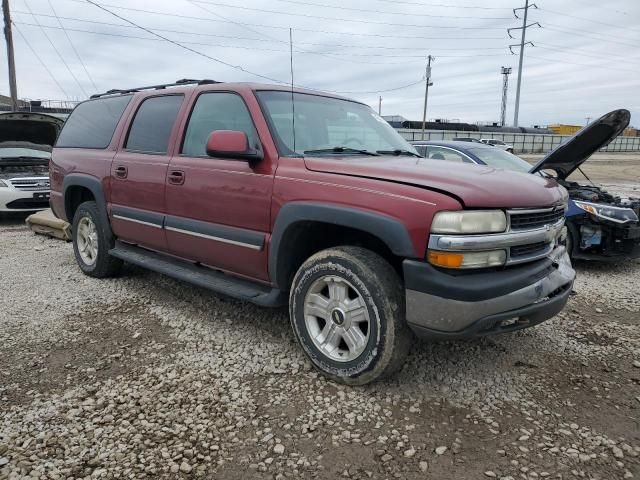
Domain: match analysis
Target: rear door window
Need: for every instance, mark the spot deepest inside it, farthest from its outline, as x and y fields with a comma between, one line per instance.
x=152, y=125
x=92, y=123
x=216, y=111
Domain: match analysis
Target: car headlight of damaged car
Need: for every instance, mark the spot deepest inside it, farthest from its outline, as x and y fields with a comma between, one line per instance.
x=607, y=212
x=470, y=221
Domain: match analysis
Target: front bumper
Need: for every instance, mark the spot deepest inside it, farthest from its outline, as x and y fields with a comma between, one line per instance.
x=447, y=305
x=14, y=200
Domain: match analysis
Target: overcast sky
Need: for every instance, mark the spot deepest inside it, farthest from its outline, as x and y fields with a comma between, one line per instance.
x=586, y=59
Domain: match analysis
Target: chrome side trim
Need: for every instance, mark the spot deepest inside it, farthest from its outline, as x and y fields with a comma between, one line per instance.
x=462, y=243
x=128, y=219
x=211, y=237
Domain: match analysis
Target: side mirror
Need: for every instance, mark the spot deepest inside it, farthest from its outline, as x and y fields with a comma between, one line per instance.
x=231, y=144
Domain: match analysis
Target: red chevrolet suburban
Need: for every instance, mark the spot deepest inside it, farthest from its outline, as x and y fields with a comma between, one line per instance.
x=279, y=196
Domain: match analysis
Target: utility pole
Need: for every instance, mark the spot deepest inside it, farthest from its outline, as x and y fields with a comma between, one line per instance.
x=524, y=27
x=10, y=58
x=505, y=71
x=426, y=93
x=380, y=105
x=588, y=119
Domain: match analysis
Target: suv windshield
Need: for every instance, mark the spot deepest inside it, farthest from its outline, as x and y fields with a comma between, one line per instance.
x=500, y=159
x=328, y=126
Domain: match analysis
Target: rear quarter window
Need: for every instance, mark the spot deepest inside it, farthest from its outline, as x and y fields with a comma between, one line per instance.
x=92, y=123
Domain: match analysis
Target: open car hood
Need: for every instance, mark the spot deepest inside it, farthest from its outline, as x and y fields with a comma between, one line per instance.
x=598, y=134
x=35, y=128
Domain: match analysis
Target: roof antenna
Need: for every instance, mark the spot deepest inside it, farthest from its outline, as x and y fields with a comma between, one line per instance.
x=293, y=105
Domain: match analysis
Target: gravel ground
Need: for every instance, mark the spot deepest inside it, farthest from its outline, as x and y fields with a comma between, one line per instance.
x=143, y=377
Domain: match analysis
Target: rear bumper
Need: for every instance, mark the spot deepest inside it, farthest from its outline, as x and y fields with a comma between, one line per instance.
x=444, y=305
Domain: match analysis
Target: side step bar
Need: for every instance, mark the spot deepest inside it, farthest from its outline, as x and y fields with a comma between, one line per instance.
x=201, y=276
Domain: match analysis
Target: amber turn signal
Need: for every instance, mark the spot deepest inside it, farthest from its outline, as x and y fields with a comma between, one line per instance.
x=445, y=259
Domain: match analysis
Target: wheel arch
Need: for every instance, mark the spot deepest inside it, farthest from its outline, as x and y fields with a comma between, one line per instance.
x=299, y=225
x=81, y=188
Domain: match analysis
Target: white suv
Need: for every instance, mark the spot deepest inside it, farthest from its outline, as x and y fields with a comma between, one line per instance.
x=26, y=140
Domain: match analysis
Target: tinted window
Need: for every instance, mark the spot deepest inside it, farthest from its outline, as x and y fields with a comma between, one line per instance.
x=216, y=111
x=92, y=123
x=153, y=123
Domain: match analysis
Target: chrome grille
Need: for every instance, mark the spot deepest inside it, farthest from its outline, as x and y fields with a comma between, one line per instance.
x=30, y=184
x=532, y=219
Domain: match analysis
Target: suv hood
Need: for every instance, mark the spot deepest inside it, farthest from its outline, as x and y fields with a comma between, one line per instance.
x=569, y=156
x=476, y=186
x=29, y=127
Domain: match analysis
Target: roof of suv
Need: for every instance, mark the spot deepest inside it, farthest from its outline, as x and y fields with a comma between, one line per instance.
x=188, y=85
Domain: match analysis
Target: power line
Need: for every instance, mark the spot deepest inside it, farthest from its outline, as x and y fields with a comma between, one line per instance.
x=590, y=65
x=387, y=12
x=185, y=47
x=587, y=19
x=553, y=28
x=598, y=57
x=178, y=44
x=335, y=19
x=332, y=55
x=57, y=51
x=378, y=91
x=441, y=5
x=279, y=27
x=271, y=39
x=35, y=54
x=73, y=47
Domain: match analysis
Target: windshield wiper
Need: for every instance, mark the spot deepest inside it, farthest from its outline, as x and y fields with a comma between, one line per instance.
x=343, y=150
x=398, y=152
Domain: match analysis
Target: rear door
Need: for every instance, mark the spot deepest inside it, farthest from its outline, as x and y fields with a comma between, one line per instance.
x=139, y=170
x=218, y=209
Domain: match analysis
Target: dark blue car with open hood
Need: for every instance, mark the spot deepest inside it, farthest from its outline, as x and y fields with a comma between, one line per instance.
x=600, y=226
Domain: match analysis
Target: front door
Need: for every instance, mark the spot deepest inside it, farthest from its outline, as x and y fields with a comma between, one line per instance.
x=218, y=208
x=139, y=170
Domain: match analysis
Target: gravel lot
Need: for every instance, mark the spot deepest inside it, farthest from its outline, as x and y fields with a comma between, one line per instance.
x=144, y=377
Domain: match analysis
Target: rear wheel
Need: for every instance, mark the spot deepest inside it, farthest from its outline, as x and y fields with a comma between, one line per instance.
x=92, y=241
x=347, y=311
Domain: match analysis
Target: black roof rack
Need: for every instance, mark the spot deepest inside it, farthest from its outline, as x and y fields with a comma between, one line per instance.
x=184, y=81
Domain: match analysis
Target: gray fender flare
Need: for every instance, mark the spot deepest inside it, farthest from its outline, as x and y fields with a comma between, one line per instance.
x=93, y=185
x=388, y=229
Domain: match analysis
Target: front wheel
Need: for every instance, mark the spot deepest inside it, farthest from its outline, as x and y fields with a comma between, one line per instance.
x=347, y=312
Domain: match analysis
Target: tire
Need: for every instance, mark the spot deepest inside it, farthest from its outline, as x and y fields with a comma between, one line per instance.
x=92, y=240
x=365, y=337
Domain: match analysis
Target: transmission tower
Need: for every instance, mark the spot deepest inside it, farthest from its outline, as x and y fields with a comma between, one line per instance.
x=505, y=71
x=522, y=44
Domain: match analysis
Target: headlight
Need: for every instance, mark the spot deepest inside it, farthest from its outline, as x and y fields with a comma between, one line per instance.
x=3, y=184
x=493, y=258
x=614, y=214
x=469, y=221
